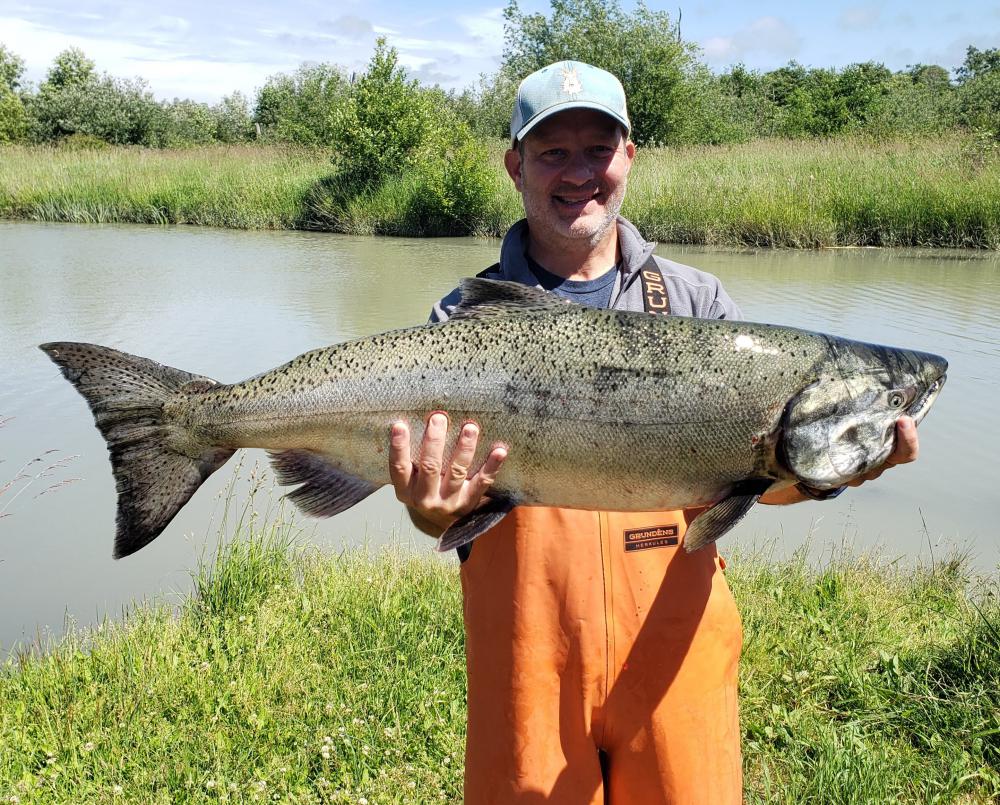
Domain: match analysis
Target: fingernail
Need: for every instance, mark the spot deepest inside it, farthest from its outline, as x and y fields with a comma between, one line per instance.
x=469, y=430
x=438, y=420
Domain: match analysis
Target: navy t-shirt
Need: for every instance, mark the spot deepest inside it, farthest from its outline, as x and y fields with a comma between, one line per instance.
x=595, y=292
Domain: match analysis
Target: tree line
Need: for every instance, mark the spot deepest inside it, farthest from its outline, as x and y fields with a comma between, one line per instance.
x=385, y=118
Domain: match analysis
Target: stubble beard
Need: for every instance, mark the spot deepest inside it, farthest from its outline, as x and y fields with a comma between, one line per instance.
x=543, y=213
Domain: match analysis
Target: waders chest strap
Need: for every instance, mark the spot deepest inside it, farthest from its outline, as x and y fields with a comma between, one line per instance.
x=654, y=289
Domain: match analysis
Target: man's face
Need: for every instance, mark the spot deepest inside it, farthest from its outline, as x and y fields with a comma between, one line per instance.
x=572, y=174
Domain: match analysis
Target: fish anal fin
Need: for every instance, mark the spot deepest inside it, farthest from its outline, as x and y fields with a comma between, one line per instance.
x=716, y=521
x=475, y=523
x=325, y=489
x=483, y=298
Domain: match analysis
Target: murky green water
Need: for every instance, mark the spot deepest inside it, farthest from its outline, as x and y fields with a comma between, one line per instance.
x=230, y=304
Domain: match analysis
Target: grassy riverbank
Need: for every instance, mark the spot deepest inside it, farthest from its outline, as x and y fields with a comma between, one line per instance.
x=935, y=192
x=300, y=677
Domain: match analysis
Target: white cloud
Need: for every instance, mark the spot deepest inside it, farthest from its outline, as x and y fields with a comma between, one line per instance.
x=486, y=27
x=349, y=26
x=858, y=18
x=200, y=79
x=770, y=35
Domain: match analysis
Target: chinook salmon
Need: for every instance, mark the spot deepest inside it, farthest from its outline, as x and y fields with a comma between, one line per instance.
x=599, y=409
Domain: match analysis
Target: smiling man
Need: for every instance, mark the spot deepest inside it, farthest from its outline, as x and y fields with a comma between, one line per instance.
x=602, y=658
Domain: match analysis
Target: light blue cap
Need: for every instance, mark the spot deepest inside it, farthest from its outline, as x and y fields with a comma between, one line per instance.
x=567, y=85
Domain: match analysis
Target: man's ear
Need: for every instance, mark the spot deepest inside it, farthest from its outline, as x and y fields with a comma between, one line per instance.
x=512, y=162
x=630, y=152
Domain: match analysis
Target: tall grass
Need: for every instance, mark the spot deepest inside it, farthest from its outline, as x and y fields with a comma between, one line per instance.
x=241, y=187
x=809, y=194
x=297, y=676
x=800, y=194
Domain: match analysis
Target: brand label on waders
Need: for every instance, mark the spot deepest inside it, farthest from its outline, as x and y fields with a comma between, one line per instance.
x=657, y=536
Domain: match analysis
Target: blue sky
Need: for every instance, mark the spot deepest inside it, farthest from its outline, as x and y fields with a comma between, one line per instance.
x=204, y=50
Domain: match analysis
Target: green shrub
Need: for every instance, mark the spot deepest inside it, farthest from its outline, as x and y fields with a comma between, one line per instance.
x=401, y=148
x=302, y=107
x=119, y=111
x=82, y=142
x=13, y=118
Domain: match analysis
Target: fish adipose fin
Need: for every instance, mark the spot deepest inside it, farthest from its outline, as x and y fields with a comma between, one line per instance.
x=326, y=490
x=712, y=524
x=475, y=523
x=157, y=465
x=483, y=298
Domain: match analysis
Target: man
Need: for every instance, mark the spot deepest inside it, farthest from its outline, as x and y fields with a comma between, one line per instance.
x=602, y=658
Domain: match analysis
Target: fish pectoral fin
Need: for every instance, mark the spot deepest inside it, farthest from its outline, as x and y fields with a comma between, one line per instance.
x=708, y=526
x=475, y=523
x=325, y=489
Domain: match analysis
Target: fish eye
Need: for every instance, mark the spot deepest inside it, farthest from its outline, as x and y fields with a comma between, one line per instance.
x=896, y=399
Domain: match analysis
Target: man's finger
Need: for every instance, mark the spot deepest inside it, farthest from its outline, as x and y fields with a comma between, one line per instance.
x=480, y=483
x=457, y=472
x=907, y=443
x=427, y=485
x=400, y=463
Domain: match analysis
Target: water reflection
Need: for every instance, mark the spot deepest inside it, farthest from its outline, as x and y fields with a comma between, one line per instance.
x=231, y=304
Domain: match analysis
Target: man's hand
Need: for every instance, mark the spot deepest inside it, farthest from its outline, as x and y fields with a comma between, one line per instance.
x=438, y=493
x=906, y=450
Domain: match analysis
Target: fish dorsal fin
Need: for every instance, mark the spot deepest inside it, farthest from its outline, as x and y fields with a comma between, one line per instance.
x=482, y=298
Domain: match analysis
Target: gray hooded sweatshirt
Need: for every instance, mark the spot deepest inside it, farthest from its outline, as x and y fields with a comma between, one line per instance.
x=690, y=292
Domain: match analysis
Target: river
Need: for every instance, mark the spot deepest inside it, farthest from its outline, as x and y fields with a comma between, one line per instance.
x=230, y=304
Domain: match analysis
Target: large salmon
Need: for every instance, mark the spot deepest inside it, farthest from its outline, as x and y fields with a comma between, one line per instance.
x=599, y=409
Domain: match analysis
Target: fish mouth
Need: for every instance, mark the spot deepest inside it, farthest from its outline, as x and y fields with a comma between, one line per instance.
x=918, y=410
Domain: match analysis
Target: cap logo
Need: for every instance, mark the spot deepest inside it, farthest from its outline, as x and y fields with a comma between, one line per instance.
x=571, y=82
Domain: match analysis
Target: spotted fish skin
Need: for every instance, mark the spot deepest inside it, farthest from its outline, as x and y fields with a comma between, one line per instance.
x=599, y=409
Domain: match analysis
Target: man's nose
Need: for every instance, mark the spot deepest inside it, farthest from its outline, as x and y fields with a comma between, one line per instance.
x=578, y=169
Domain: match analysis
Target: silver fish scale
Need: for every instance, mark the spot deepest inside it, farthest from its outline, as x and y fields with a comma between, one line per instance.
x=599, y=409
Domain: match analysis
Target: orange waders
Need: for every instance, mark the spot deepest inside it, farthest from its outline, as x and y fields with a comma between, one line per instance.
x=602, y=663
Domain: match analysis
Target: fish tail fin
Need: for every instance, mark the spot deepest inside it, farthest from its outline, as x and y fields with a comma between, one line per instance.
x=158, y=465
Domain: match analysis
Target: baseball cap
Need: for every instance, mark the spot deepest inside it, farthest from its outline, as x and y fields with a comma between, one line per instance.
x=567, y=85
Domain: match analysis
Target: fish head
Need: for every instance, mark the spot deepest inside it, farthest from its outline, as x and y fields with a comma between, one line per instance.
x=844, y=424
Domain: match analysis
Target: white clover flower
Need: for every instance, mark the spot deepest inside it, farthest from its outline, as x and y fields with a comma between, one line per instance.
x=88, y=747
x=362, y=800
x=117, y=789
x=210, y=784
